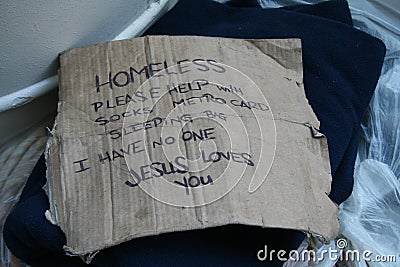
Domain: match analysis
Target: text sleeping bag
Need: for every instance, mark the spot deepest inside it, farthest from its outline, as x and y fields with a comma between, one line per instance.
x=341, y=69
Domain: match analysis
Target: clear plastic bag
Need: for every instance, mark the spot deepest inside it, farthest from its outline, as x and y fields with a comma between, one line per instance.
x=17, y=159
x=370, y=217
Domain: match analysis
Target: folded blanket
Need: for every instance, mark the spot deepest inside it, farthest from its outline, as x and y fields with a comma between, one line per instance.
x=341, y=68
x=341, y=64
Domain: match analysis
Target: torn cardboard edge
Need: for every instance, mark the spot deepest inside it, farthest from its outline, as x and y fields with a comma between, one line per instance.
x=113, y=56
x=88, y=257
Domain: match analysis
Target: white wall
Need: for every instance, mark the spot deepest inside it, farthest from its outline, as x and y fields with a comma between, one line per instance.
x=32, y=33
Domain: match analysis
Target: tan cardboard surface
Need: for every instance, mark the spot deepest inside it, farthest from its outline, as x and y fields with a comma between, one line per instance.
x=220, y=133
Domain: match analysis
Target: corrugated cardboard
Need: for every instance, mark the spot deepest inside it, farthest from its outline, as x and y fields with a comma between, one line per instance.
x=160, y=134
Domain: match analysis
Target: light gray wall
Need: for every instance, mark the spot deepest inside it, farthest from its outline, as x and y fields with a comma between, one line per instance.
x=32, y=33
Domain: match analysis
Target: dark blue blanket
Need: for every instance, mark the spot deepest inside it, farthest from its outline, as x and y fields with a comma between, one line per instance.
x=341, y=68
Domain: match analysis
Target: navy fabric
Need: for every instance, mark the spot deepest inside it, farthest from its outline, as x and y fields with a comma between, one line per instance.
x=35, y=240
x=341, y=68
x=341, y=64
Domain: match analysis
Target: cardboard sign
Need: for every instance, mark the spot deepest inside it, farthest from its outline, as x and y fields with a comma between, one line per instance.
x=160, y=134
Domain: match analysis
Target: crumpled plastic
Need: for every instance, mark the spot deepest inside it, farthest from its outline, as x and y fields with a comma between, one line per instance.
x=17, y=160
x=370, y=216
x=369, y=221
